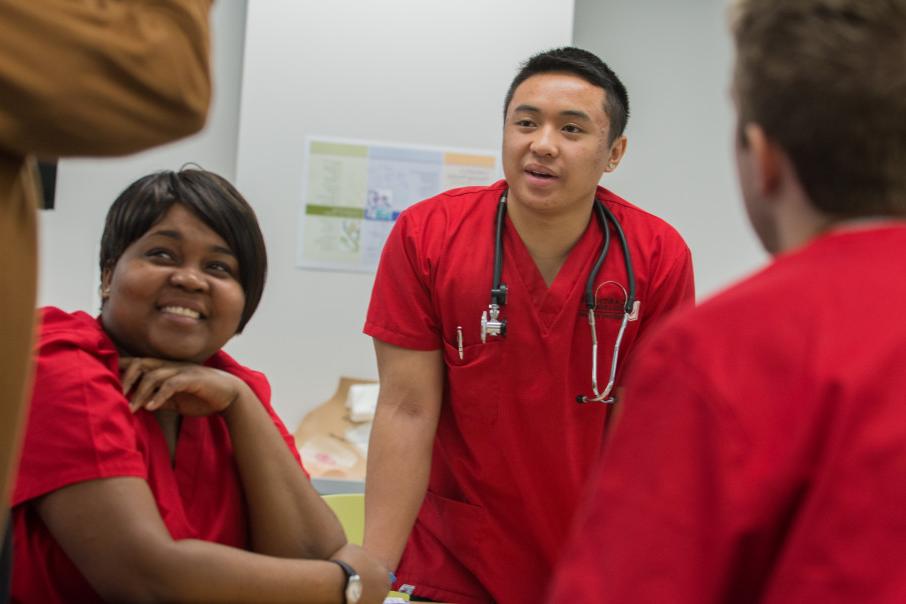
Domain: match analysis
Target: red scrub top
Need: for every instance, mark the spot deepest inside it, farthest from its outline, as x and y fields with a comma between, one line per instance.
x=761, y=454
x=513, y=447
x=80, y=428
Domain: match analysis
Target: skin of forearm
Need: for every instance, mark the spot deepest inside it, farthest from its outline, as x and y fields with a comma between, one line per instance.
x=287, y=517
x=200, y=571
x=399, y=463
x=112, y=532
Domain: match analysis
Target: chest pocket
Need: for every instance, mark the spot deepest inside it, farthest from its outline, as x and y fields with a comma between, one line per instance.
x=473, y=382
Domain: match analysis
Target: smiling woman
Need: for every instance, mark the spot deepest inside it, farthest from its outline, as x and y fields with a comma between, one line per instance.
x=154, y=467
x=177, y=291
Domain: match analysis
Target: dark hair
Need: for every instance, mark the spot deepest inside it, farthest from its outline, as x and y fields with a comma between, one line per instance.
x=826, y=80
x=588, y=67
x=210, y=197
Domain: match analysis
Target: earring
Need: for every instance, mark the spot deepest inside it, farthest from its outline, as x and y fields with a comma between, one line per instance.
x=612, y=165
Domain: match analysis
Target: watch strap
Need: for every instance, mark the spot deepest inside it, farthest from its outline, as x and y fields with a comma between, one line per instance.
x=349, y=572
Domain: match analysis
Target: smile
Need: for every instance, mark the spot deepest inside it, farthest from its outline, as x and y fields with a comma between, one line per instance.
x=181, y=311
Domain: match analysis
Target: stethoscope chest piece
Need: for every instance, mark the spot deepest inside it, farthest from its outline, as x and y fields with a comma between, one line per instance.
x=491, y=323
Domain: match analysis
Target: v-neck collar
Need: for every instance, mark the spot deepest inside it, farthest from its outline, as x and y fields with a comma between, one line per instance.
x=548, y=303
x=190, y=446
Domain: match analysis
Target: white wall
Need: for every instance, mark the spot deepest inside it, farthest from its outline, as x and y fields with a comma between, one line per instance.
x=70, y=234
x=675, y=59
x=419, y=72
x=406, y=71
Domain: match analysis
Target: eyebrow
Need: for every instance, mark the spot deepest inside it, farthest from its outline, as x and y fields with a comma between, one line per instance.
x=576, y=113
x=564, y=113
x=177, y=236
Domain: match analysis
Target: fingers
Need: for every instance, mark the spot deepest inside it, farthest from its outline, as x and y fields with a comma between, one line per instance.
x=164, y=393
x=187, y=388
x=132, y=369
x=145, y=375
x=147, y=392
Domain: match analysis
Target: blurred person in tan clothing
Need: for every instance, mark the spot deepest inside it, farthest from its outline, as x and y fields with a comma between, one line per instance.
x=79, y=78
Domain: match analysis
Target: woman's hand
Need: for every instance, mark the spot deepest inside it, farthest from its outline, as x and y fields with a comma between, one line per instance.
x=185, y=388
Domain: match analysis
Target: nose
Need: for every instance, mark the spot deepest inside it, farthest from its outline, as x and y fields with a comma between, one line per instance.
x=189, y=279
x=544, y=143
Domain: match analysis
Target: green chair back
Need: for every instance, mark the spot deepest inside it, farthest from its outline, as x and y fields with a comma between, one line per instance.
x=350, y=509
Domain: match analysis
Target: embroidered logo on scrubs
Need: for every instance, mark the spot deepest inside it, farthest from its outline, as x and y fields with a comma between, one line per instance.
x=610, y=300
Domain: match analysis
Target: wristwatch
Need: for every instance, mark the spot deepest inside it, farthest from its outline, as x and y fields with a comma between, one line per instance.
x=353, y=591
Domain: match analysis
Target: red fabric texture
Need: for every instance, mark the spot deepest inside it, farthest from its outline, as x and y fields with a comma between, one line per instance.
x=80, y=428
x=761, y=454
x=513, y=447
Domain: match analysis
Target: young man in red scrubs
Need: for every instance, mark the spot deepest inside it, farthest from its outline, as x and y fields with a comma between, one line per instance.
x=480, y=449
x=761, y=454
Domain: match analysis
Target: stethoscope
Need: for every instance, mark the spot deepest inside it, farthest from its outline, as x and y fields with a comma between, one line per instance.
x=493, y=325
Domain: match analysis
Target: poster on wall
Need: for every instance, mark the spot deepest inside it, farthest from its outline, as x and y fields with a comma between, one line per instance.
x=354, y=190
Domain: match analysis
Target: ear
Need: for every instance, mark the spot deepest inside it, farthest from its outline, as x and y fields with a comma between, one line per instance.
x=766, y=159
x=106, y=277
x=617, y=150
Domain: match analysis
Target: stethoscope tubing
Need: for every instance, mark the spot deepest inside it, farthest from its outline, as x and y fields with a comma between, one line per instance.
x=627, y=257
x=606, y=219
x=496, y=297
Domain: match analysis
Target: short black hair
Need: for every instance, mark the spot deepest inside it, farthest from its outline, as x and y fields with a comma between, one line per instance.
x=213, y=200
x=587, y=66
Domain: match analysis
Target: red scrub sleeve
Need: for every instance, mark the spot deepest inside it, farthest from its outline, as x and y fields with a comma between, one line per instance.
x=672, y=284
x=401, y=311
x=655, y=525
x=79, y=425
x=261, y=387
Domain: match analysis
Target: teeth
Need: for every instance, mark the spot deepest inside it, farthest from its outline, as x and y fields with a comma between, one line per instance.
x=180, y=310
